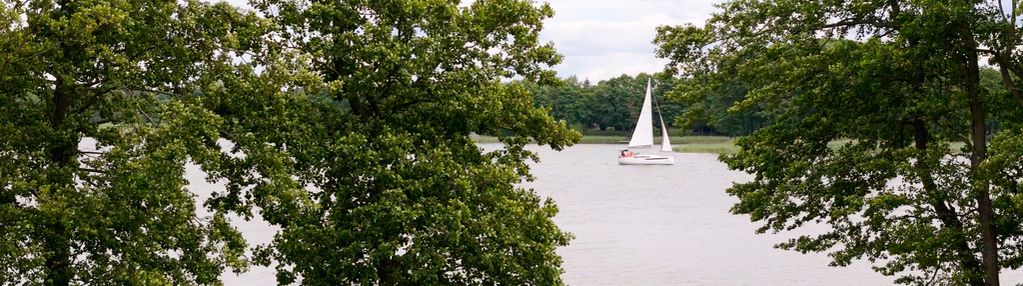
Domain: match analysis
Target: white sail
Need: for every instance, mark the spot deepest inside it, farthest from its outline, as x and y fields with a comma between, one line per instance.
x=665, y=143
x=643, y=134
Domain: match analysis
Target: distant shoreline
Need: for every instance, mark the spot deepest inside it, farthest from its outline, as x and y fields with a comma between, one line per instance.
x=690, y=144
x=682, y=144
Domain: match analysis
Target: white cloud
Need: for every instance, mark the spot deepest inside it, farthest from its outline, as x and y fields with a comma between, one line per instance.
x=601, y=39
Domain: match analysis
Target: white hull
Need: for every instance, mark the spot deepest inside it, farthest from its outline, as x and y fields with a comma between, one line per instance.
x=646, y=160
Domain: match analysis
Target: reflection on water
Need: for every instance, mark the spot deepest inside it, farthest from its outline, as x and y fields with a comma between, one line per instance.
x=647, y=225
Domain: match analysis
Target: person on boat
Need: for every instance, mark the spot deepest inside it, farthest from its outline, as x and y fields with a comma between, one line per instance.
x=627, y=153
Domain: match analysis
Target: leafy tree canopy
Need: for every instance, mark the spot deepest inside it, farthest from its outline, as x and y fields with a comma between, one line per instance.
x=613, y=103
x=126, y=74
x=344, y=123
x=362, y=154
x=884, y=127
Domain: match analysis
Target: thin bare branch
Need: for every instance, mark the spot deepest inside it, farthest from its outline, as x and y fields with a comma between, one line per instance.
x=860, y=22
x=93, y=170
x=146, y=115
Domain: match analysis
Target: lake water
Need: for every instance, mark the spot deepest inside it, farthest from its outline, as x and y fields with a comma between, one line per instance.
x=649, y=225
x=668, y=225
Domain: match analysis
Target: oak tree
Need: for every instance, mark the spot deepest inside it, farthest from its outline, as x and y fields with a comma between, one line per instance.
x=358, y=144
x=882, y=128
x=98, y=116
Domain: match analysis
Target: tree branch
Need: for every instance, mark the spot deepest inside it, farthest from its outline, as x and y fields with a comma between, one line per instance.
x=947, y=214
x=102, y=121
x=987, y=51
x=93, y=170
x=171, y=94
x=1004, y=67
x=95, y=97
x=146, y=115
x=857, y=22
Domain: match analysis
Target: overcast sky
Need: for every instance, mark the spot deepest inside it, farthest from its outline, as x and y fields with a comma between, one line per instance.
x=601, y=39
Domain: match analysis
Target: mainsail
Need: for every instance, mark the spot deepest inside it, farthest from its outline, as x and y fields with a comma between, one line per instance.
x=643, y=134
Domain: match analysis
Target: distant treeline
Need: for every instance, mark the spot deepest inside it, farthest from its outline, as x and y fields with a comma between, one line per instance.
x=612, y=106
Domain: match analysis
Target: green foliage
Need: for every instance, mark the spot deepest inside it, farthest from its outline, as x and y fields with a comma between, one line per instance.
x=865, y=101
x=364, y=159
x=346, y=124
x=713, y=107
x=570, y=100
x=122, y=215
x=612, y=104
x=709, y=103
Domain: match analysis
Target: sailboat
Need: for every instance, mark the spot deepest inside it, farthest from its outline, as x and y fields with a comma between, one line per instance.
x=643, y=137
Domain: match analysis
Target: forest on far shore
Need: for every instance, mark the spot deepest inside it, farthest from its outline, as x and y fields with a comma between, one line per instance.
x=610, y=107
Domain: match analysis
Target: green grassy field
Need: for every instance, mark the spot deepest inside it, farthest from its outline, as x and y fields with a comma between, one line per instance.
x=705, y=144
x=685, y=144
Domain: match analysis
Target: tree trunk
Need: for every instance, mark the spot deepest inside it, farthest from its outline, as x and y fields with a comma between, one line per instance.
x=59, y=176
x=387, y=272
x=58, y=262
x=946, y=214
x=978, y=123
